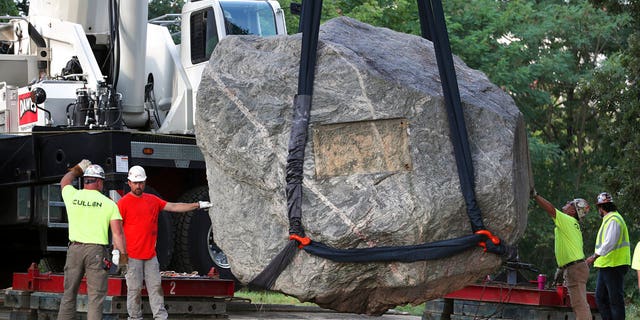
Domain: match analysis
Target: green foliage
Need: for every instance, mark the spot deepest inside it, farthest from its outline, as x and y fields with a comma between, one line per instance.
x=544, y=54
x=8, y=8
x=400, y=15
x=409, y=309
x=291, y=20
x=269, y=297
x=23, y=6
x=617, y=98
x=161, y=7
x=615, y=95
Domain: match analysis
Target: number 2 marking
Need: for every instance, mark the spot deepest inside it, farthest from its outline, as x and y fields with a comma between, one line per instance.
x=172, y=291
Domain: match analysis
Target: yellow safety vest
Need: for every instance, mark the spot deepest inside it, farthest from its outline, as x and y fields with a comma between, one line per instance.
x=621, y=253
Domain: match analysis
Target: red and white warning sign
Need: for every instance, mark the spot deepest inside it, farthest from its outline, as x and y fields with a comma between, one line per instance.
x=28, y=113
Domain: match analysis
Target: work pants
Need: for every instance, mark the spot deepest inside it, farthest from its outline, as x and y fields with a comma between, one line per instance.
x=149, y=271
x=84, y=259
x=576, y=276
x=610, y=292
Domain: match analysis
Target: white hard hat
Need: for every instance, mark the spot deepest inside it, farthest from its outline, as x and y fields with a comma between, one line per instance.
x=94, y=171
x=582, y=207
x=604, y=197
x=137, y=174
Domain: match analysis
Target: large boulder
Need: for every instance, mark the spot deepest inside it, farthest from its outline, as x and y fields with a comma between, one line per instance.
x=379, y=166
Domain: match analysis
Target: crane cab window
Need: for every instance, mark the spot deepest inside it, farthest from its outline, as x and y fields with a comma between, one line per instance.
x=204, y=36
x=253, y=18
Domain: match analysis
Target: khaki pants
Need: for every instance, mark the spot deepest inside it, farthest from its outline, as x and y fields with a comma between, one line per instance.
x=576, y=277
x=149, y=271
x=81, y=259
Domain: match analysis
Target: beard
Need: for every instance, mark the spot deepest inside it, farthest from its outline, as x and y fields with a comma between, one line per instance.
x=137, y=191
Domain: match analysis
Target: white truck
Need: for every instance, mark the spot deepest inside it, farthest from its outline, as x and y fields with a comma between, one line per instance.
x=95, y=79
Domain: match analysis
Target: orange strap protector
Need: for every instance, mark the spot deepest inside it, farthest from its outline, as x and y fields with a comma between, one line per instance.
x=303, y=241
x=489, y=235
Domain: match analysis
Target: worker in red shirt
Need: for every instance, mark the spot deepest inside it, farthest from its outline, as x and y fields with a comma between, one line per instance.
x=139, y=213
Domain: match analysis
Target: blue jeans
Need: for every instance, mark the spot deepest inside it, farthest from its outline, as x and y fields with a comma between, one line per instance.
x=610, y=292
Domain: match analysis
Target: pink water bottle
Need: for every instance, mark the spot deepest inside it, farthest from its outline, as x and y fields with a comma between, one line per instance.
x=542, y=280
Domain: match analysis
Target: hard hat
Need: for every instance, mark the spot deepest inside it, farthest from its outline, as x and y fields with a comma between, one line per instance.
x=604, y=197
x=137, y=174
x=582, y=207
x=95, y=171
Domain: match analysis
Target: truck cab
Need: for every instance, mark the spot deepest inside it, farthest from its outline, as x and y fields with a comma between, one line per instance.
x=96, y=79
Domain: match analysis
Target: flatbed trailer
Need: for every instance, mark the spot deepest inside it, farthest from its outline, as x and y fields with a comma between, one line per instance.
x=506, y=301
x=36, y=295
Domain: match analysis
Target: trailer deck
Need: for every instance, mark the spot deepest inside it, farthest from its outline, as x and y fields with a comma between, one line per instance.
x=497, y=300
x=36, y=295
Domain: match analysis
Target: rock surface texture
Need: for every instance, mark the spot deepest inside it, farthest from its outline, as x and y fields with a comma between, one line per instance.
x=379, y=165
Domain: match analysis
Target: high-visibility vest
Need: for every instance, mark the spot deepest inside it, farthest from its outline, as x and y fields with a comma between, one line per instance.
x=621, y=253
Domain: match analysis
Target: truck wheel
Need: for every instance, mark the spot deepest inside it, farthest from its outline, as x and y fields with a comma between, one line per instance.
x=195, y=249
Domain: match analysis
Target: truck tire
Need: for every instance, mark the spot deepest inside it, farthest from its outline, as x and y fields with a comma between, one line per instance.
x=195, y=249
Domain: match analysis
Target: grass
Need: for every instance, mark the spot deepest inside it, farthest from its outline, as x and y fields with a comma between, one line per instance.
x=412, y=310
x=271, y=297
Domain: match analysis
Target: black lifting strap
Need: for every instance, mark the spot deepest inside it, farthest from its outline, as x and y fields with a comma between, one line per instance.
x=433, y=28
x=310, y=22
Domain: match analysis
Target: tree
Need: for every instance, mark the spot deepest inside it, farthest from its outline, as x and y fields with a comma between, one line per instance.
x=8, y=8
x=160, y=7
x=616, y=97
x=23, y=6
x=615, y=93
x=543, y=54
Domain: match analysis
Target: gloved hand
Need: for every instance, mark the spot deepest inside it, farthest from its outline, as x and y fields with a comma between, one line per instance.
x=79, y=168
x=204, y=204
x=84, y=164
x=533, y=193
x=115, y=257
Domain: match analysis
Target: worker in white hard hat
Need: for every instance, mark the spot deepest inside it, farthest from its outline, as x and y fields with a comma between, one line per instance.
x=612, y=258
x=140, y=212
x=569, y=251
x=90, y=215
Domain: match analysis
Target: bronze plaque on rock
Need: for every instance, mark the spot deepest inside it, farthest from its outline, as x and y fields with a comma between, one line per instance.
x=375, y=146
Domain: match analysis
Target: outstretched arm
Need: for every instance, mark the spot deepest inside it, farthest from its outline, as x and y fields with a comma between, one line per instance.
x=181, y=207
x=545, y=205
x=186, y=207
